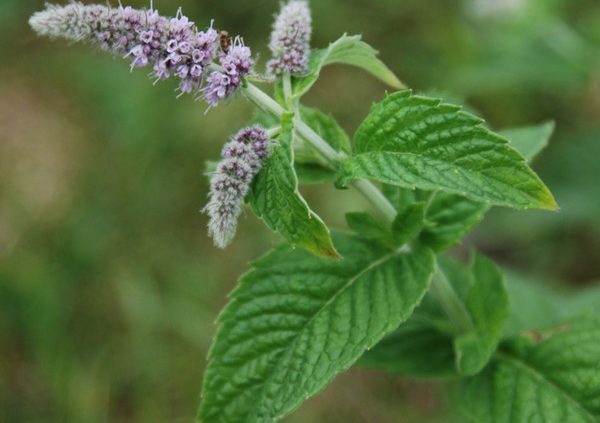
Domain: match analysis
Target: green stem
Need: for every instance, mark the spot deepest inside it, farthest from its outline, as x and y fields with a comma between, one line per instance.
x=262, y=100
x=366, y=188
x=274, y=131
x=451, y=304
x=376, y=197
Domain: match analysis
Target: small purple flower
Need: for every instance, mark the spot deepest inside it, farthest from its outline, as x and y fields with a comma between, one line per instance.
x=290, y=39
x=216, y=89
x=236, y=64
x=243, y=158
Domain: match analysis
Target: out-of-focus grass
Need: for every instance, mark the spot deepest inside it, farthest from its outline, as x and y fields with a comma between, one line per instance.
x=109, y=286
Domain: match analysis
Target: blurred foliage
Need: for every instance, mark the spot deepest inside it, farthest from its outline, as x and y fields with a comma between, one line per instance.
x=109, y=285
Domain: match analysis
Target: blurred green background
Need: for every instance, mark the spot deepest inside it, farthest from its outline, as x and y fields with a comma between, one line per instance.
x=109, y=285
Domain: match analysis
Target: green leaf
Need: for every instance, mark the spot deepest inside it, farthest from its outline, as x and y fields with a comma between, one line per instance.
x=552, y=380
x=487, y=304
x=402, y=197
x=275, y=199
x=404, y=229
x=408, y=223
x=449, y=218
x=368, y=227
x=419, y=142
x=313, y=174
x=416, y=349
x=327, y=127
x=529, y=140
x=297, y=320
x=458, y=274
x=329, y=130
x=452, y=216
x=349, y=50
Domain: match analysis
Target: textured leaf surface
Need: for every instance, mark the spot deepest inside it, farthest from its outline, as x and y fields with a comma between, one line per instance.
x=556, y=380
x=452, y=216
x=488, y=307
x=348, y=50
x=275, y=199
x=297, y=320
x=419, y=142
x=449, y=218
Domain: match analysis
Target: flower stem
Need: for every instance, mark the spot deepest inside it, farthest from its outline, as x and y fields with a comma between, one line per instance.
x=333, y=157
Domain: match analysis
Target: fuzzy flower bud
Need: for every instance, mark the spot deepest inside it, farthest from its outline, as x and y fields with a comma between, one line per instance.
x=290, y=39
x=173, y=47
x=243, y=158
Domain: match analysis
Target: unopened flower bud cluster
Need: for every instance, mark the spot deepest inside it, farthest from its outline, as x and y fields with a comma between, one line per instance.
x=290, y=39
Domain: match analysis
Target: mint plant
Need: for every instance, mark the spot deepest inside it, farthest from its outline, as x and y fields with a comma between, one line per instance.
x=386, y=294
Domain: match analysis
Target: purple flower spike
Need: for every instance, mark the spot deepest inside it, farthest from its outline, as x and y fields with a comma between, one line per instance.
x=173, y=47
x=243, y=158
x=290, y=39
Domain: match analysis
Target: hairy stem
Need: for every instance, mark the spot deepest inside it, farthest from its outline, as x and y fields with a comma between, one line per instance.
x=366, y=188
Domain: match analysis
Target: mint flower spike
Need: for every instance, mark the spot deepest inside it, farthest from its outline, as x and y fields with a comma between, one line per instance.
x=290, y=39
x=173, y=47
x=243, y=158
